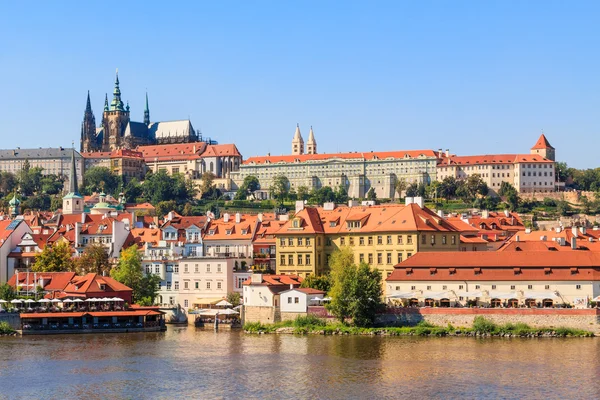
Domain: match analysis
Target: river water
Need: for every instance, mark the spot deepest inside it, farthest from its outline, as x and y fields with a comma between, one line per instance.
x=201, y=364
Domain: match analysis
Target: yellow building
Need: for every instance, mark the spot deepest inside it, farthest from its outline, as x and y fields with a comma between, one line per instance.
x=382, y=236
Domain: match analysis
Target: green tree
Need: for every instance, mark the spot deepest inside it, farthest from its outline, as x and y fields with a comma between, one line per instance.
x=39, y=202
x=400, y=186
x=319, y=282
x=133, y=190
x=207, y=187
x=54, y=258
x=248, y=186
x=8, y=182
x=29, y=179
x=162, y=187
x=129, y=272
x=56, y=202
x=302, y=193
x=93, y=259
x=280, y=188
x=7, y=292
x=100, y=179
x=562, y=171
x=563, y=208
x=448, y=188
x=51, y=184
x=163, y=207
x=342, y=270
x=412, y=190
x=371, y=194
x=341, y=195
x=322, y=195
x=234, y=298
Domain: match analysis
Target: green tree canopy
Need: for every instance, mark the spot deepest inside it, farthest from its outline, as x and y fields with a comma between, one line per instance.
x=280, y=188
x=319, y=282
x=248, y=186
x=371, y=194
x=400, y=186
x=129, y=272
x=234, y=298
x=100, y=179
x=54, y=258
x=94, y=259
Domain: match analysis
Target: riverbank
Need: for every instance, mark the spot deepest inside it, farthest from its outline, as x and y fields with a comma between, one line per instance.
x=6, y=329
x=481, y=327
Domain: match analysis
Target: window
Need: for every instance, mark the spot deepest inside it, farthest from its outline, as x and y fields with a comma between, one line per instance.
x=361, y=257
x=351, y=241
x=328, y=241
x=186, y=303
x=176, y=285
x=291, y=259
x=460, y=287
x=408, y=255
x=444, y=239
x=300, y=241
x=397, y=287
x=289, y=300
x=409, y=239
x=370, y=240
x=185, y=285
x=296, y=300
x=428, y=287
x=413, y=288
x=342, y=241
x=493, y=286
x=290, y=242
x=444, y=287
x=168, y=285
x=379, y=239
x=219, y=284
x=370, y=259
x=282, y=242
x=389, y=258
x=512, y=287
x=529, y=286
x=208, y=285
x=432, y=239
x=389, y=239
x=197, y=285
x=423, y=239
x=477, y=287
x=578, y=287
x=308, y=241
x=307, y=259
x=218, y=267
x=282, y=259
x=157, y=269
x=399, y=258
x=299, y=259
x=195, y=267
x=361, y=241
x=453, y=239
x=176, y=268
x=547, y=287
x=379, y=258
x=207, y=267
x=399, y=239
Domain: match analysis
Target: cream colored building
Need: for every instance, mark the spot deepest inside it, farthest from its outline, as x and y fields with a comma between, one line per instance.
x=528, y=173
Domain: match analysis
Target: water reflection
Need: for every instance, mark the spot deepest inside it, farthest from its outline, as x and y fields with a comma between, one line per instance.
x=194, y=363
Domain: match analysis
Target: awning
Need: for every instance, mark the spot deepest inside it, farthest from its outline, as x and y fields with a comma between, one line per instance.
x=503, y=295
x=437, y=295
x=212, y=301
x=403, y=295
x=540, y=295
x=471, y=295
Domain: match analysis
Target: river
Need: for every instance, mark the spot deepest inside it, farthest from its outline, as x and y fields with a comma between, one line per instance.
x=201, y=364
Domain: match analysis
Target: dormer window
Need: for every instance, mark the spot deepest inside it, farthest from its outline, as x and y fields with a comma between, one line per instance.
x=228, y=232
x=296, y=223
x=211, y=232
x=244, y=231
x=353, y=224
x=102, y=286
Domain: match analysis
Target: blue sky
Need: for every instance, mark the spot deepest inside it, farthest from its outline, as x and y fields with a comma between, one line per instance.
x=475, y=77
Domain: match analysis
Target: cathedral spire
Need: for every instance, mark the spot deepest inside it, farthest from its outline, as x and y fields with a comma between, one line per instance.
x=73, y=175
x=88, y=106
x=147, y=112
x=106, y=102
x=117, y=103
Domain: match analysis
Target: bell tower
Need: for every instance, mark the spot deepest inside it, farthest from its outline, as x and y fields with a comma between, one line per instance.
x=114, y=120
x=297, y=142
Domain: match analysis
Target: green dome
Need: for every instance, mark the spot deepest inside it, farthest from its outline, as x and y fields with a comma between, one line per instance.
x=14, y=201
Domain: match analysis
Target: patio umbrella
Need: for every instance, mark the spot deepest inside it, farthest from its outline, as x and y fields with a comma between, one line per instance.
x=228, y=311
x=44, y=301
x=105, y=299
x=316, y=299
x=90, y=300
x=77, y=301
x=327, y=299
x=16, y=301
x=68, y=301
x=29, y=301
x=117, y=299
x=224, y=303
x=56, y=301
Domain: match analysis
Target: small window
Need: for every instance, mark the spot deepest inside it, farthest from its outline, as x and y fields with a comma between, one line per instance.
x=578, y=287
x=289, y=300
x=477, y=287
x=547, y=287
x=460, y=287
x=444, y=287
x=413, y=288
x=296, y=300
x=208, y=285
x=428, y=287
x=529, y=286
x=493, y=286
x=512, y=287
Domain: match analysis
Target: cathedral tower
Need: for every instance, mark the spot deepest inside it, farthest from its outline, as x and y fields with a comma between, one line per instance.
x=311, y=144
x=114, y=120
x=146, y=112
x=88, y=128
x=297, y=142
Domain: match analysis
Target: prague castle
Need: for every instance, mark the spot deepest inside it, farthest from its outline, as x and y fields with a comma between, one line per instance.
x=118, y=131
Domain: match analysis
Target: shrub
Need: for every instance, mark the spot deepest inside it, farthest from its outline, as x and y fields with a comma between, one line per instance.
x=483, y=325
x=5, y=328
x=308, y=321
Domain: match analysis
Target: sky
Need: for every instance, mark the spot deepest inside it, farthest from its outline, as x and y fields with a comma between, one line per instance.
x=475, y=77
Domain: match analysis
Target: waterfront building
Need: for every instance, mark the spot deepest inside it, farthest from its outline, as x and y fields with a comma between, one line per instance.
x=296, y=301
x=118, y=131
x=357, y=172
x=122, y=162
x=53, y=161
x=379, y=235
x=528, y=173
x=22, y=257
x=262, y=294
x=494, y=278
x=232, y=237
x=264, y=242
x=11, y=234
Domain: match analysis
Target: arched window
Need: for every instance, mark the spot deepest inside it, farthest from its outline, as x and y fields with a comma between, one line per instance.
x=211, y=167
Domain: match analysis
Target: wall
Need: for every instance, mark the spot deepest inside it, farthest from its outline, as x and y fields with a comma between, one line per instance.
x=288, y=303
x=587, y=319
x=14, y=320
x=571, y=197
x=291, y=316
x=263, y=314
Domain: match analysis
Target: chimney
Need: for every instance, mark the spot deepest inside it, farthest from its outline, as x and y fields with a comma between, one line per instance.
x=256, y=278
x=506, y=213
x=238, y=218
x=353, y=203
x=329, y=206
x=226, y=217
x=574, y=231
x=573, y=243
x=440, y=213
x=557, y=230
x=291, y=286
x=408, y=200
x=485, y=214
x=77, y=230
x=259, y=217
x=299, y=206
x=83, y=218
x=419, y=201
x=582, y=230
x=543, y=238
x=170, y=216
x=447, y=152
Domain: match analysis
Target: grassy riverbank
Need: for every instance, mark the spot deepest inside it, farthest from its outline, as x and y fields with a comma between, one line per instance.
x=481, y=327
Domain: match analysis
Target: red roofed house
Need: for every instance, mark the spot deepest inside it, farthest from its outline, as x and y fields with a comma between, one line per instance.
x=261, y=296
x=11, y=234
x=295, y=302
x=497, y=277
x=50, y=282
x=528, y=173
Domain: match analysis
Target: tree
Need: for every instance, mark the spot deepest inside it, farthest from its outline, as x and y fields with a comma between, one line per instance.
x=448, y=188
x=234, y=298
x=29, y=179
x=56, y=202
x=94, y=259
x=302, y=193
x=7, y=292
x=562, y=171
x=207, y=187
x=164, y=207
x=39, y=202
x=100, y=179
x=412, y=190
x=510, y=195
x=248, y=186
x=54, y=258
x=356, y=291
x=8, y=182
x=51, y=184
x=400, y=186
x=133, y=190
x=163, y=187
x=129, y=272
x=322, y=195
x=280, y=188
x=371, y=195
x=319, y=282
x=341, y=194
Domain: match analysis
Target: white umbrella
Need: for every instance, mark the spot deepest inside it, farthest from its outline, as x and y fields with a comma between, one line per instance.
x=44, y=301
x=29, y=301
x=327, y=299
x=16, y=301
x=68, y=301
x=105, y=299
x=77, y=301
x=227, y=311
x=316, y=299
x=224, y=303
x=117, y=299
x=2, y=301
x=597, y=298
x=56, y=300
x=90, y=300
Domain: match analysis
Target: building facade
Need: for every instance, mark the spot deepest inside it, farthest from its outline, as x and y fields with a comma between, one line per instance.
x=126, y=163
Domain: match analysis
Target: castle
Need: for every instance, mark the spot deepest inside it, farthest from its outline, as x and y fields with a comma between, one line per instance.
x=117, y=131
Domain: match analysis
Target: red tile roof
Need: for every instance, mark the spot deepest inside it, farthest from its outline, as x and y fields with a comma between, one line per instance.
x=492, y=159
x=54, y=280
x=220, y=230
x=166, y=152
x=277, y=280
x=542, y=143
x=310, y=291
x=221, y=150
x=381, y=155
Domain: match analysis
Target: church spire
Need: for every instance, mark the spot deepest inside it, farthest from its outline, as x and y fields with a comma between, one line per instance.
x=73, y=175
x=147, y=112
x=297, y=142
x=106, y=102
x=117, y=103
x=88, y=106
x=311, y=144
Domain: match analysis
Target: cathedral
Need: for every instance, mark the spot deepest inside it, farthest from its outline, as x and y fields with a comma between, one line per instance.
x=117, y=131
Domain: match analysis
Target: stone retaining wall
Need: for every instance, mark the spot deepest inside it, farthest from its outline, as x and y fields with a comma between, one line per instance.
x=14, y=320
x=290, y=316
x=265, y=315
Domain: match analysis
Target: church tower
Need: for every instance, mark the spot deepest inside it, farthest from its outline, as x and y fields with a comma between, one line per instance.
x=114, y=120
x=297, y=142
x=14, y=206
x=73, y=201
x=311, y=144
x=544, y=148
x=88, y=128
x=146, y=112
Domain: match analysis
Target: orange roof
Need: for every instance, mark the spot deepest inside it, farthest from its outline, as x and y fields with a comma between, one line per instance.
x=277, y=280
x=219, y=229
x=310, y=291
x=374, y=155
x=140, y=206
x=53, y=280
x=4, y=232
x=92, y=283
x=146, y=235
x=113, y=154
x=216, y=150
x=492, y=159
x=542, y=143
x=166, y=152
